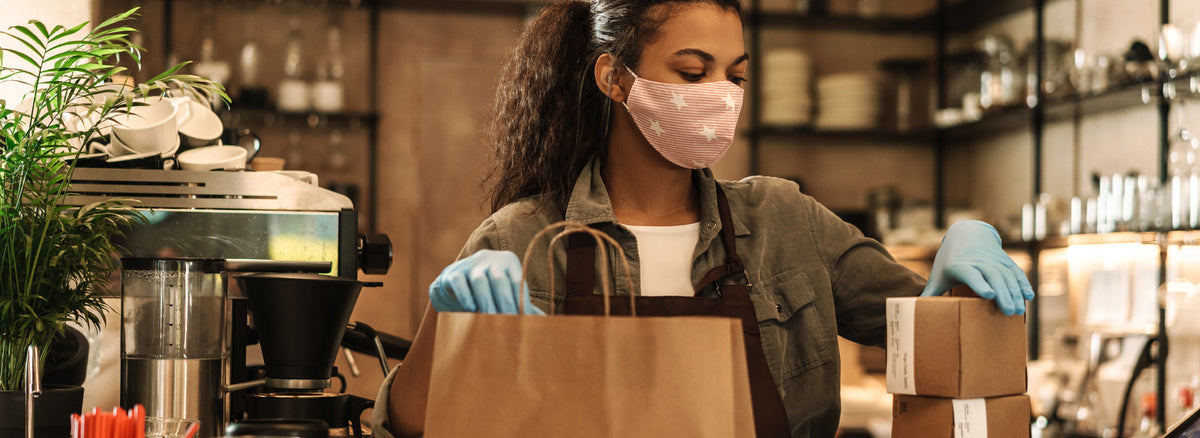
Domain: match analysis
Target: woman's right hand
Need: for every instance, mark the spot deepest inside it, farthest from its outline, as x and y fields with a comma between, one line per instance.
x=486, y=282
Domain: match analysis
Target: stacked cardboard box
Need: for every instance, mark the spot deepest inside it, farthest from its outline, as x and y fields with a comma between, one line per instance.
x=956, y=366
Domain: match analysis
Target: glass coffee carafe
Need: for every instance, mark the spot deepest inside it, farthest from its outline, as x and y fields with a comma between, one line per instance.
x=173, y=340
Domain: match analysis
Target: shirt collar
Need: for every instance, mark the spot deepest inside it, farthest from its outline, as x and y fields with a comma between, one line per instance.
x=590, y=204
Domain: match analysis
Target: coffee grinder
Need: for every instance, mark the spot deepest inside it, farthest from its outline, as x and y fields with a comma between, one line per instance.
x=300, y=320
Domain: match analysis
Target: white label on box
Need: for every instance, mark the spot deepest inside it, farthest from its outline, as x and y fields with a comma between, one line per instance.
x=970, y=418
x=900, y=327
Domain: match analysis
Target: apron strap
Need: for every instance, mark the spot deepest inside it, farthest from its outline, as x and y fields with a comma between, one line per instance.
x=581, y=264
x=733, y=264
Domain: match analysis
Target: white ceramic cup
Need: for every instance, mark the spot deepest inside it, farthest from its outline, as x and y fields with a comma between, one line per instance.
x=148, y=128
x=202, y=127
x=114, y=148
x=212, y=157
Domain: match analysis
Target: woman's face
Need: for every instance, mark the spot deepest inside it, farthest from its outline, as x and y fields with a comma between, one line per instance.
x=697, y=43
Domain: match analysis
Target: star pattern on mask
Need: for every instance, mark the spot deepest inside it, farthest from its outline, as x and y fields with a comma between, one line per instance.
x=709, y=133
x=728, y=101
x=677, y=99
x=657, y=128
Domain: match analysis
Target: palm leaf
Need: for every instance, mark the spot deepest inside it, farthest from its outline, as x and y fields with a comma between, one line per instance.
x=25, y=30
x=115, y=19
x=41, y=27
x=72, y=30
x=23, y=56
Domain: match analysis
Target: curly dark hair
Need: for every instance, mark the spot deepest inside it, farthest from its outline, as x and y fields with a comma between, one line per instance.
x=548, y=119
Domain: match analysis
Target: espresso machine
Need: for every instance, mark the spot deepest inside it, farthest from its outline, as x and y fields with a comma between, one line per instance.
x=187, y=329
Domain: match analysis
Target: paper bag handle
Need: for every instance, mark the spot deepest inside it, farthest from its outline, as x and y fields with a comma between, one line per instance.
x=602, y=240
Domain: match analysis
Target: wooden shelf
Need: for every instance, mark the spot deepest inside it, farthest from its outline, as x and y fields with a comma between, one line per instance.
x=841, y=22
x=1000, y=122
x=463, y=6
x=1064, y=108
x=1124, y=237
x=1179, y=237
x=961, y=17
x=1123, y=97
x=969, y=15
x=923, y=135
x=311, y=118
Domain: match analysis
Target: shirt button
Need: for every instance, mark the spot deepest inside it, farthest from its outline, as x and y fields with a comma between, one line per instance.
x=778, y=308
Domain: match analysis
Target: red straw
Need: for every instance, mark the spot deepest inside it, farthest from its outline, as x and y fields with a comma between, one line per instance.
x=131, y=425
x=191, y=430
x=75, y=432
x=97, y=427
x=139, y=426
x=105, y=425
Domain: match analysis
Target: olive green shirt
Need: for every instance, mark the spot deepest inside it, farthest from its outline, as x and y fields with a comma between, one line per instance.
x=813, y=276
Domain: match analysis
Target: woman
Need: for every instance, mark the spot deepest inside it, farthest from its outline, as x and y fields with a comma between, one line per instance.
x=609, y=114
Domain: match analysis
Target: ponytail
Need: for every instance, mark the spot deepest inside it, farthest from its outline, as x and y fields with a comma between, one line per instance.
x=548, y=119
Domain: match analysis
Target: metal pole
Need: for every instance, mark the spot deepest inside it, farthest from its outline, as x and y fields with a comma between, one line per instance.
x=939, y=136
x=1164, y=113
x=756, y=54
x=1038, y=121
x=373, y=122
x=33, y=386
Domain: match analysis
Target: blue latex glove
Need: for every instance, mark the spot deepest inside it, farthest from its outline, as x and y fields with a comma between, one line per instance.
x=486, y=282
x=971, y=254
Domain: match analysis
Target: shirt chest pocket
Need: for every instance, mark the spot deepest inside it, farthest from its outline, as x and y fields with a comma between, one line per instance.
x=796, y=338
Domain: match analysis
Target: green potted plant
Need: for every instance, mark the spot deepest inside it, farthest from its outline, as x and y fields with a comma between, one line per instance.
x=54, y=258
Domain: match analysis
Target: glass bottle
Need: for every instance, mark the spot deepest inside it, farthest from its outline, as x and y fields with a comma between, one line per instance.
x=293, y=91
x=328, y=93
x=999, y=85
x=293, y=51
x=1180, y=159
x=253, y=94
x=1184, y=161
x=208, y=65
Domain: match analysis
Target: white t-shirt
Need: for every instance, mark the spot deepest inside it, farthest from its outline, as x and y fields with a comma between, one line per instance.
x=666, y=258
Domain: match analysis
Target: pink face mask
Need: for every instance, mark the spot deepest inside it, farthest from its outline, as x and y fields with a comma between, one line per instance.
x=691, y=125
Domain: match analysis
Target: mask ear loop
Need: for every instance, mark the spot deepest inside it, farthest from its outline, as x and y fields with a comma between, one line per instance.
x=635, y=78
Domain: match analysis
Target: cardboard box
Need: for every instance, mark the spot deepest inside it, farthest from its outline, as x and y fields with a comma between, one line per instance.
x=954, y=347
x=931, y=417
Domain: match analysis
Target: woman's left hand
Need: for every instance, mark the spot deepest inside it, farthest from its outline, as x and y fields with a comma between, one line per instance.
x=972, y=254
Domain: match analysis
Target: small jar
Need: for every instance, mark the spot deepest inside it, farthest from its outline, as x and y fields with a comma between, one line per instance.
x=999, y=85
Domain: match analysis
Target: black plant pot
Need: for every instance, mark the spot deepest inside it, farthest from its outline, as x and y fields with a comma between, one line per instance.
x=67, y=359
x=51, y=412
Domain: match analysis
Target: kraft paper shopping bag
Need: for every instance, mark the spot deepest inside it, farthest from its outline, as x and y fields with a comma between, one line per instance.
x=587, y=376
x=578, y=376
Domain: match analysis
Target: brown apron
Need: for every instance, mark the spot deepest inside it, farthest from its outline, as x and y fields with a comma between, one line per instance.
x=770, y=418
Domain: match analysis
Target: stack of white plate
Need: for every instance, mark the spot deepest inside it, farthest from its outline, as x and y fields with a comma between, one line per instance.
x=787, y=88
x=848, y=101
